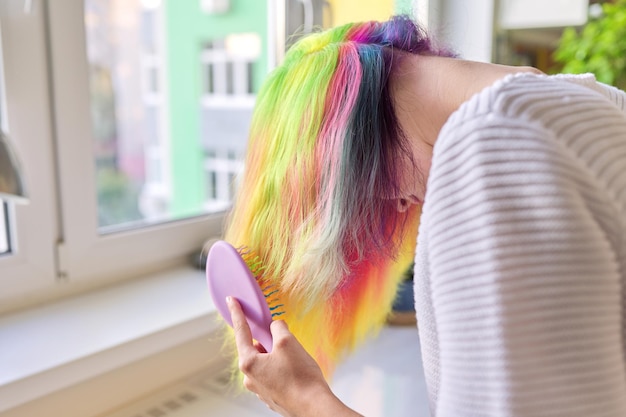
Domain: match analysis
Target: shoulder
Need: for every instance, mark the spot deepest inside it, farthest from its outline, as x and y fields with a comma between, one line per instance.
x=526, y=96
x=529, y=111
x=535, y=137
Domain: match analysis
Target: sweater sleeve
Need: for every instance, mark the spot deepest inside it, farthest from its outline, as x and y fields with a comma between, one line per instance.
x=523, y=277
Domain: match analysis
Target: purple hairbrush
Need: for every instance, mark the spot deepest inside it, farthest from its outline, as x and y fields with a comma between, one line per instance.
x=228, y=274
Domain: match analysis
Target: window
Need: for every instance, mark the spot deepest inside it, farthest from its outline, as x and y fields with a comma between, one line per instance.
x=106, y=108
x=144, y=198
x=222, y=168
x=131, y=119
x=127, y=62
x=27, y=232
x=227, y=66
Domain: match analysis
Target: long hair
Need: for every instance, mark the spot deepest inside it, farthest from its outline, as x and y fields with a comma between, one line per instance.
x=322, y=158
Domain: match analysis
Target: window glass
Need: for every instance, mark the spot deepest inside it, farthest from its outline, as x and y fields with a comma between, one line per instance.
x=172, y=87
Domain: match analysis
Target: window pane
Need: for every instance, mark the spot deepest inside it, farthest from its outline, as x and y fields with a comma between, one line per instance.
x=4, y=229
x=172, y=88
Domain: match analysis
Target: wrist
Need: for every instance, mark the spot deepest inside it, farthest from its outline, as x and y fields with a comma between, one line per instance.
x=322, y=402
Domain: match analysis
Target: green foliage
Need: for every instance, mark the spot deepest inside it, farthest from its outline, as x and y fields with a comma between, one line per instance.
x=599, y=48
x=117, y=198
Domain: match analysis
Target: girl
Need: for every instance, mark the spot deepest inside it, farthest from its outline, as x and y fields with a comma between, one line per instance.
x=520, y=267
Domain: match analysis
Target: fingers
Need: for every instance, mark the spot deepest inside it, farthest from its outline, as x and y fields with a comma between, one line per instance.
x=259, y=347
x=279, y=329
x=243, y=336
x=281, y=336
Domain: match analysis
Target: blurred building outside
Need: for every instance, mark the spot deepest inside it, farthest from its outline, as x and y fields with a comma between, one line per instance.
x=173, y=85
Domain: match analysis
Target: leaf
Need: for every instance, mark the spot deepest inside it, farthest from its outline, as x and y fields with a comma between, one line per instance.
x=600, y=47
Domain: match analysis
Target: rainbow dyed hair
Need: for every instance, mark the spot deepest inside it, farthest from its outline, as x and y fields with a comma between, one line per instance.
x=322, y=158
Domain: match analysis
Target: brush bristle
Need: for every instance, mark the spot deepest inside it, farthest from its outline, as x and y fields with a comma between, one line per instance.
x=269, y=290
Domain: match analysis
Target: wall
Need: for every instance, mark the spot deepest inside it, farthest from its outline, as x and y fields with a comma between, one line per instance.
x=467, y=26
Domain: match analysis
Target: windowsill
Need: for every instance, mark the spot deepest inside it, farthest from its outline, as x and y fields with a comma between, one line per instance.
x=54, y=346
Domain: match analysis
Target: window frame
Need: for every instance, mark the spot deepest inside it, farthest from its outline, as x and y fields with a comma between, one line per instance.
x=31, y=264
x=85, y=255
x=54, y=239
x=5, y=230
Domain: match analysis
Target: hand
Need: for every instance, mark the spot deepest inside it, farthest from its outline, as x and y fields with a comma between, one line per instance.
x=288, y=380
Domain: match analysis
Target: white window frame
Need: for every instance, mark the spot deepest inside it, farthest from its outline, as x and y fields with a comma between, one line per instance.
x=85, y=255
x=30, y=267
x=5, y=244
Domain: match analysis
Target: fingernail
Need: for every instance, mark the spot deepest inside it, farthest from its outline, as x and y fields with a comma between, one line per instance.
x=229, y=300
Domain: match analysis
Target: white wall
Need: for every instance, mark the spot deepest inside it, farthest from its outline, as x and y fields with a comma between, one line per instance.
x=465, y=25
x=516, y=14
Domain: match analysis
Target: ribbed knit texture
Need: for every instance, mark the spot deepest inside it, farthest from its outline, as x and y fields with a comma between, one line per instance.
x=521, y=262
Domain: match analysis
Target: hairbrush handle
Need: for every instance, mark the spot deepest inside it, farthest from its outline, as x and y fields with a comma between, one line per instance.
x=228, y=274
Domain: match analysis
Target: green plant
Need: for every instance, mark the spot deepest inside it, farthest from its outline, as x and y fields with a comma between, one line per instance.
x=599, y=47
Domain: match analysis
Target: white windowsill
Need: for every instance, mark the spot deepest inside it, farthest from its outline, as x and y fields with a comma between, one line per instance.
x=54, y=346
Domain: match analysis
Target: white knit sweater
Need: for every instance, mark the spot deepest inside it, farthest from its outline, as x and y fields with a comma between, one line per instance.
x=520, y=278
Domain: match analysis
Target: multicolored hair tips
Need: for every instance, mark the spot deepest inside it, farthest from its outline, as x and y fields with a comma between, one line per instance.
x=321, y=161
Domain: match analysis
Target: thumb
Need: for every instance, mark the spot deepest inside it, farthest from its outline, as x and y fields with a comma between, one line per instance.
x=279, y=328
